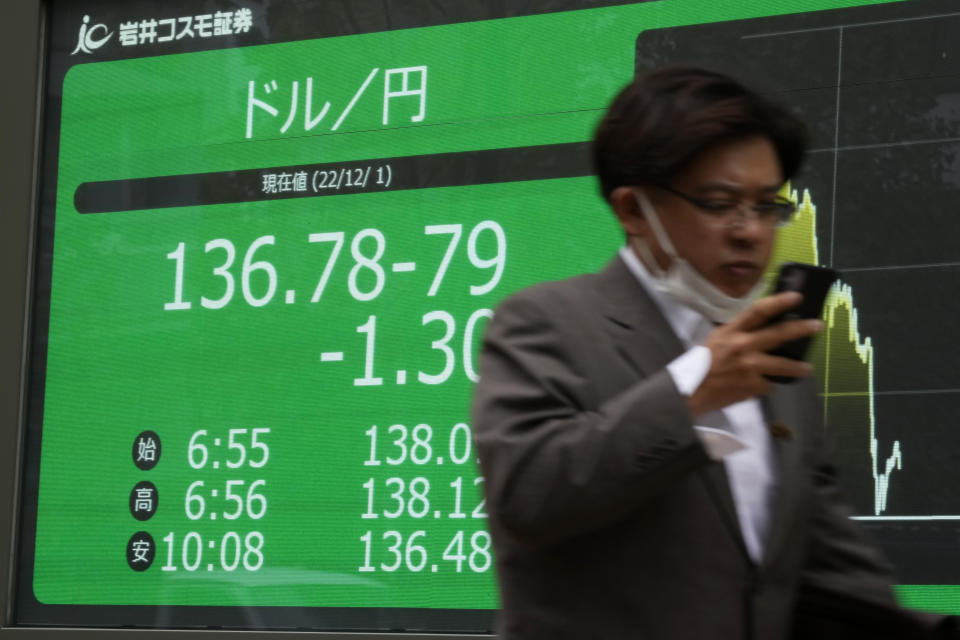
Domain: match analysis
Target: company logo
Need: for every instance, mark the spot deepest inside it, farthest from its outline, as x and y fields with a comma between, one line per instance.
x=155, y=31
x=87, y=40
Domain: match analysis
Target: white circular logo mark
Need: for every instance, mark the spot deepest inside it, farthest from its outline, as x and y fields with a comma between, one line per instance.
x=87, y=40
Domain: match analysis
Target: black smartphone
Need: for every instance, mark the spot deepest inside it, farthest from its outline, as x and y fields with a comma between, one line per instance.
x=814, y=283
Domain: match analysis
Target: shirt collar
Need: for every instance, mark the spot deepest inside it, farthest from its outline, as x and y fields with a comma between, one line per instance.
x=685, y=322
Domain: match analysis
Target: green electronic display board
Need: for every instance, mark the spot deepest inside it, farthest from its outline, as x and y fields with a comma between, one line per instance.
x=271, y=238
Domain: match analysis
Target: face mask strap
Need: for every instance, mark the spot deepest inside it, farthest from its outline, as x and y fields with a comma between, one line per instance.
x=648, y=212
x=647, y=256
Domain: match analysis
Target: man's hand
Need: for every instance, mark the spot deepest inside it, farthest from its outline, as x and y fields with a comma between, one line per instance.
x=739, y=358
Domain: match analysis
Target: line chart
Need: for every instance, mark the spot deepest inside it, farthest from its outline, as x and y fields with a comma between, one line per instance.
x=879, y=87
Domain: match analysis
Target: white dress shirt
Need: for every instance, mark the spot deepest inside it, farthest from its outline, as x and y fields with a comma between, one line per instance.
x=736, y=434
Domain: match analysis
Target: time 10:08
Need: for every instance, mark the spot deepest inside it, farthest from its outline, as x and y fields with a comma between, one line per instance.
x=229, y=553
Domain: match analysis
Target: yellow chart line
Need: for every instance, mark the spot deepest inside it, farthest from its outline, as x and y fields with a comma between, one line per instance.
x=798, y=242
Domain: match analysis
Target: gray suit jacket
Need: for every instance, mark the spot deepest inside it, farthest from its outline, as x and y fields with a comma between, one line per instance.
x=608, y=518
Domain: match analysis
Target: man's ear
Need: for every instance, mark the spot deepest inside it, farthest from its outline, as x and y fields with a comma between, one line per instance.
x=623, y=201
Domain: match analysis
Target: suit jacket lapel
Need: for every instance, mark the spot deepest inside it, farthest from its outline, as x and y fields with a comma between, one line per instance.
x=636, y=325
x=778, y=408
x=647, y=342
x=717, y=485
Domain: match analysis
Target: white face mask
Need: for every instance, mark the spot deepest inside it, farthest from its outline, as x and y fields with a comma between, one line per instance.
x=682, y=282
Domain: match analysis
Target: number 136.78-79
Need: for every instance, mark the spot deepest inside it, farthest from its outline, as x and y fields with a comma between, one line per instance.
x=367, y=276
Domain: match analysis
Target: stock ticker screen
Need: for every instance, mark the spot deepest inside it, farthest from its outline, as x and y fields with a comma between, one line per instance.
x=272, y=235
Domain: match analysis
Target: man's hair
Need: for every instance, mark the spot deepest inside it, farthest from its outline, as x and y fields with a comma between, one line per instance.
x=659, y=123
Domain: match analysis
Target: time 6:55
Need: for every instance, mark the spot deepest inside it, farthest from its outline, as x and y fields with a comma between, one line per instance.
x=237, y=444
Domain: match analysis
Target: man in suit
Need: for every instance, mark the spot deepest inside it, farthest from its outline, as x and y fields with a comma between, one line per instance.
x=644, y=478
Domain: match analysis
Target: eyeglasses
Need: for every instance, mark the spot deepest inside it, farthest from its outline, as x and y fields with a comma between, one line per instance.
x=734, y=213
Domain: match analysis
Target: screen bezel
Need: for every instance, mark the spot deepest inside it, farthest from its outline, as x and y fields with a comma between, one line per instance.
x=22, y=61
